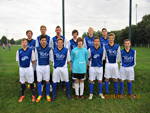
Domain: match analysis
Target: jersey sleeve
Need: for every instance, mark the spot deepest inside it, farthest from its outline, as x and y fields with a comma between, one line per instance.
x=68, y=46
x=33, y=56
x=36, y=54
x=51, y=56
x=65, y=43
x=52, y=43
x=68, y=56
x=17, y=56
x=85, y=43
x=104, y=54
x=37, y=43
x=135, y=58
x=89, y=52
x=118, y=54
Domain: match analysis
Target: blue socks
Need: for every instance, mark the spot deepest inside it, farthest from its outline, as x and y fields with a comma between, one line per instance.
x=107, y=87
x=68, y=88
x=47, y=88
x=39, y=86
x=91, y=87
x=54, y=90
x=129, y=88
x=121, y=88
x=116, y=87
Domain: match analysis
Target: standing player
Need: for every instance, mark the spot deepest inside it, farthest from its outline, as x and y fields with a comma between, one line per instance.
x=58, y=35
x=112, y=59
x=88, y=40
x=31, y=44
x=104, y=38
x=60, y=58
x=96, y=57
x=43, y=68
x=43, y=30
x=25, y=56
x=79, y=59
x=128, y=62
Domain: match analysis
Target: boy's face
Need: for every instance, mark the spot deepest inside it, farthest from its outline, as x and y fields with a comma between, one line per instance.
x=91, y=31
x=75, y=35
x=29, y=35
x=43, y=30
x=127, y=44
x=104, y=33
x=111, y=39
x=96, y=42
x=43, y=42
x=24, y=43
x=60, y=43
x=80, y=44
x=58, y=31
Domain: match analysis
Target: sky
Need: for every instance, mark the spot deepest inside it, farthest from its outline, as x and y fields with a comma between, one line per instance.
x=17, y=16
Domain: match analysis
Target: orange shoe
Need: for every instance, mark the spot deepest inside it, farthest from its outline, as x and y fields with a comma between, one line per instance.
x=33, y=98
x=48, y=98
x=21, y=98
x=39, y=98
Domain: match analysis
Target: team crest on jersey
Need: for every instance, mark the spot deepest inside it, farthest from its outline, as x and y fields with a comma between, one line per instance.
x=112, y=53
x=60, y=56
x=90, y=42
x=96, y=55
x=128, y=59
x=43, y=54
x=24, y=58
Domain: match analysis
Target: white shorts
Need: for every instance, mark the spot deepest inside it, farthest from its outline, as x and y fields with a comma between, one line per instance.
x=95, y=73
x=127, y=73
x=26, y=75
x=43, y=73
x=60, y=73
x=111, y=71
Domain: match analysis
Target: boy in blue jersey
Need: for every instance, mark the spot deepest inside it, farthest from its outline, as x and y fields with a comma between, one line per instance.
x=96, y=57
x=43, y=30
x=79, y=60
x=60, y=57
x=128, y=62
x=88, y=40
x=58, y=35
x=43, y=67
x=73, y=44
x=31, y=44
x=25, y=57
x=112, y=59
x=104, y=38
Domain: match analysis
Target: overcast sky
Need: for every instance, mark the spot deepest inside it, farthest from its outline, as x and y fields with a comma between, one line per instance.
x=17, y=16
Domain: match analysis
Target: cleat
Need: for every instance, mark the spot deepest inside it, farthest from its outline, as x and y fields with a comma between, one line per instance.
x=76, y=97
x=33, y=98
x=21, y=98
x=91, y=97
x=102, y=96
x=39, y=98
x=48, y=98
x=82, y=97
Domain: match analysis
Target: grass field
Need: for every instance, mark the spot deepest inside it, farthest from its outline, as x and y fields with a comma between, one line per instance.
x=9, y=92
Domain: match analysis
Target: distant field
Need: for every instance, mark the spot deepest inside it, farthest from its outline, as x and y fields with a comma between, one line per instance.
x=9, y=92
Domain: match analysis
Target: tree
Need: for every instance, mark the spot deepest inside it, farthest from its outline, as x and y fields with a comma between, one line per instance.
x=4, y=40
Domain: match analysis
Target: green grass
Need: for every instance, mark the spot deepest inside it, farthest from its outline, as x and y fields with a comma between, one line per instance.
x=9, y=92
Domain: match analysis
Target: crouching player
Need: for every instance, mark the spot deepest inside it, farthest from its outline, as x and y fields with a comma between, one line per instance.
x=79, y=60
x=112, y=59
x=96, y=57
x=43, y=68
x=60, y=57
x=128, y=61
x=24, y=56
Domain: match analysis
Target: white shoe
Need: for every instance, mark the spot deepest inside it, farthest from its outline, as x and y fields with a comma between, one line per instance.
x=102, y=96
x=91, y=97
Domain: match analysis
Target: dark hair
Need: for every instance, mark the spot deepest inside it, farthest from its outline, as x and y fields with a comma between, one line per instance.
x=60, y=39
x=42, y=36
x=96, y=37
x=104, y=29
x=58, y=27
x=29, y=31
x=42, y=26
x=79, y=40
x=126, y=40
x=75, y=31
x=24, y=39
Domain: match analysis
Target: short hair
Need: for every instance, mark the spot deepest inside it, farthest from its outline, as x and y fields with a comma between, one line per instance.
x=60, y=39
x=126, y=40
x=24, y=39
x=112, y=34
x=79, y=40
x=58, y=27
x=42, y=26
x=75, y=31
x=96, y=37
x=42, y=36
x=29, y=31
x=104, y=29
